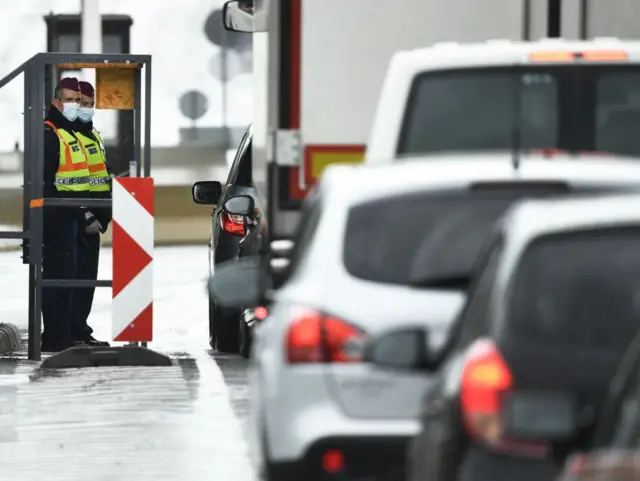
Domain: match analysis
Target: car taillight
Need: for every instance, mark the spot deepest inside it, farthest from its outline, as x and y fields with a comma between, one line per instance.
x=260, y=313
x=233, y=224
x=314, y=337
x=576, y=464
x=486, y=379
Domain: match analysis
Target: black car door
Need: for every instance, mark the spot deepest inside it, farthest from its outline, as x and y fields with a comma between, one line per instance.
x=440, y=435
x=225, y=244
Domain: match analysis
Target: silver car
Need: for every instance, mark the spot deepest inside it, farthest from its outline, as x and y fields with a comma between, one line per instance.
x=368, y=238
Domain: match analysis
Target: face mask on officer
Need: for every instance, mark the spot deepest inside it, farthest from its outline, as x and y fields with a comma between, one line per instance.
x=67, y=100
x=85, y=114
x=87, y=102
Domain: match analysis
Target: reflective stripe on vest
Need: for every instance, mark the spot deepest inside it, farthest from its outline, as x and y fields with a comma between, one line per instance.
x=73, y=170
x=99, y=176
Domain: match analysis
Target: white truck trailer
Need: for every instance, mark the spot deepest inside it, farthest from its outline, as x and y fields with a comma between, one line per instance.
x=319, y=68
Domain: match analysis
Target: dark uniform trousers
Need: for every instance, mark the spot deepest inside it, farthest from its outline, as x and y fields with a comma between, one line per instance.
x=88, y=257
x=60, y=230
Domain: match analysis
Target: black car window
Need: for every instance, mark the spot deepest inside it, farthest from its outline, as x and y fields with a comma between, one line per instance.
x=574, y=107
x=618, y=112
x=622, y=407
x=244, y=177
x=580, y=289
x=423, y=233
x=476, y=110
x=475, y=318
x=239, y=157
x=625, y=429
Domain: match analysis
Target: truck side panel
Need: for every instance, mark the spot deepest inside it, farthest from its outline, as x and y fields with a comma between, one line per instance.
x=611, y=18
x=464, y=21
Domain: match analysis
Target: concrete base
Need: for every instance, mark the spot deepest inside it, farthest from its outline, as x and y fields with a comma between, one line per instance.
x=88, y=356
x=10, y=338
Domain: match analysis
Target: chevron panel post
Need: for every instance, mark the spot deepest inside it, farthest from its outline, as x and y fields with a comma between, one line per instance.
x=133, y=241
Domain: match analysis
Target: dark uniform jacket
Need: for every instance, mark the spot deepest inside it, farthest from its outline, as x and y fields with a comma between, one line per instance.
x=52, y=161
x=102, y=214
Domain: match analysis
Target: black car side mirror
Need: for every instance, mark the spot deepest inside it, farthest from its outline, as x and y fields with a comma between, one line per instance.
x=404, y=349
x=206, y=192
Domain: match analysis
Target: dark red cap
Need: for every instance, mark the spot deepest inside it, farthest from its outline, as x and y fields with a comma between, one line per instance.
x=87, y=89
x=70, y=83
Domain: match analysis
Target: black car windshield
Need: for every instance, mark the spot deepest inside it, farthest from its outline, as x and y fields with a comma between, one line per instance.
x=575, y=108
x=581, y=289
x=391, y=240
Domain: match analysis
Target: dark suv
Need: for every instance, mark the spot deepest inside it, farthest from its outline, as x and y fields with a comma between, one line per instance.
x=229, y=239
x=554, y=301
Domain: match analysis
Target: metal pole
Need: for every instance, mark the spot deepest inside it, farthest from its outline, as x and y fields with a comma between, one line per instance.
x=137, y=123
x=134, y=165
x=526, y=20
x=147, y=125
x=584, y=19
x=147, y=119
x=91, y=33
x=36, y=221
x=27, y=250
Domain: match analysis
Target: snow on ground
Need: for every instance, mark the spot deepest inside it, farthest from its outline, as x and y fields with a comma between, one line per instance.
x=124, y=423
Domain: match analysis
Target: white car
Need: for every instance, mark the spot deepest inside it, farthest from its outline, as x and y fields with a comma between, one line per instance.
x=502, y=95
x=368, y=238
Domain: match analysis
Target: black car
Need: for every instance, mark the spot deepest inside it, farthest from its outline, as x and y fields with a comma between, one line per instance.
x=231, y=238
x=554, y=301
x=615, y=450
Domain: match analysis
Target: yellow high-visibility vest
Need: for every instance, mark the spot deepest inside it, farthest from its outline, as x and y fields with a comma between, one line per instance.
x=73, y=170
x=98, y=174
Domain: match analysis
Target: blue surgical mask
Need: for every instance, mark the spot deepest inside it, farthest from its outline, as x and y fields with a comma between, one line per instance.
x=85, y=114
x=70, y=110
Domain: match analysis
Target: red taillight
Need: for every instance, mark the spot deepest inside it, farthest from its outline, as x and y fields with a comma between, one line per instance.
x=260, y=313
x=233, y=224
x=569, y=56
x=317, y=338
x=486, y=379
x=576, y=464
x=333, y=461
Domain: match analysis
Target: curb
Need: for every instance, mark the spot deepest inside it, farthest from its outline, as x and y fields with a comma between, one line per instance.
x=10, y=338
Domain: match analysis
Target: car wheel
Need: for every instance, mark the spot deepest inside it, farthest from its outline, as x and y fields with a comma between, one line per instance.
x=227, y=333
x=245, y=339
x=212, y=323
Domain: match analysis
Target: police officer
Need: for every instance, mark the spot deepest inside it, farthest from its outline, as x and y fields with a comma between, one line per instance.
x=66, y=174
x=96, y=219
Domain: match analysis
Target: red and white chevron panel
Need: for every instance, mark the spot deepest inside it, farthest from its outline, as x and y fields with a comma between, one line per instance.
x=133, y=239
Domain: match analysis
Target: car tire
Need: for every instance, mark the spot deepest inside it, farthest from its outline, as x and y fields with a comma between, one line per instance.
x=227, y=333
x=244, y=333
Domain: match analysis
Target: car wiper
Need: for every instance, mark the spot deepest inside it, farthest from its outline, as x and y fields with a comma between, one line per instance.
x=454, y=281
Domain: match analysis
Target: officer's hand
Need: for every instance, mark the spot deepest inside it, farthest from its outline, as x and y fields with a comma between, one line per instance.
x=93, y=226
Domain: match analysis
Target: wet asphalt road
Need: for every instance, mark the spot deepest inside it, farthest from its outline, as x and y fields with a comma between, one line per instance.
x=185, y=422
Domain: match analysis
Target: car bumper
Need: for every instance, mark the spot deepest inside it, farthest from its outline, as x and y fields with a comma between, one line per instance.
x=365, y=459
x=480, y=465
